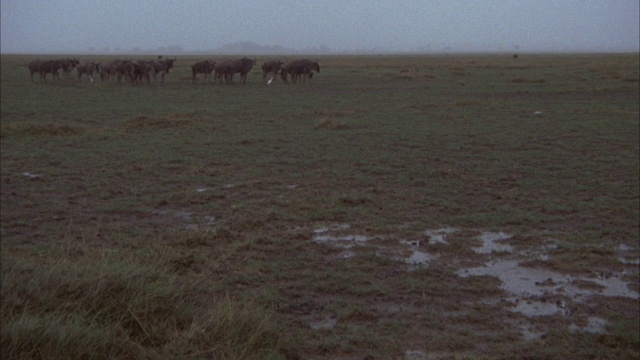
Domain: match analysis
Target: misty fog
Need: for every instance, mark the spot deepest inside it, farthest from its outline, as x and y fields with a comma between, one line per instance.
x=322, y=27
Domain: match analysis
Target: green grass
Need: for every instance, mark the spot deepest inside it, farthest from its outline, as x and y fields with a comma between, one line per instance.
x=176, y=220
x=74, y=301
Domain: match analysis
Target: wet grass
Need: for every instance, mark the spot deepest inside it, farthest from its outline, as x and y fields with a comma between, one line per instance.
x=176, y=220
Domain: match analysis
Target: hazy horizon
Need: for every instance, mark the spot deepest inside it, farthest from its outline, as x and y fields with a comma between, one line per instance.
x=330, y=26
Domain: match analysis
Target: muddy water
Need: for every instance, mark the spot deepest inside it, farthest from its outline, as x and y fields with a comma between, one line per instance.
x=419, y=258
x=525, y=282
x=538, y=293
x=625, y=255
x=327, y=322
x=491, y=243
x=338, y=236
x=532, y=292
x=439, y=236
x=541, y=292
x=595, y=325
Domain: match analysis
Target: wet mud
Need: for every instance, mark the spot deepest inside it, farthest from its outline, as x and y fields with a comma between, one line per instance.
x=535, y=294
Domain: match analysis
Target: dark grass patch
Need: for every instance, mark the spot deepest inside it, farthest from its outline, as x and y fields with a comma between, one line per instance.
x=328, y=124
x=125, y=308
x=526, y=80
x=32, y=129
x=173, y=121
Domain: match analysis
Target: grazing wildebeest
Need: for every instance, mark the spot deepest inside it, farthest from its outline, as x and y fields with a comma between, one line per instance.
x=142, y=71
x=161, y=67
x=124, y=68
x=271, y=67
x=68, y=65
x=107, y=71
x=87, y=68
x=202, y=67
x=242, y=66
x=221, y=71
x=50, y=67
x=299, y=68
x=34, y=67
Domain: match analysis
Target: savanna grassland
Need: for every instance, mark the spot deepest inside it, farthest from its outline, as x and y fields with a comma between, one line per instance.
x=360, y=215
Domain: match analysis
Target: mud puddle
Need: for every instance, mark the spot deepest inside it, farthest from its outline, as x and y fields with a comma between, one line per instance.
x=491, y=243
x=328, y=322
x=627, y=256
x=532, y=293
x=340, y=236
x=416, y=256
x=439, y=236
x=536, y=292
x=185, y=219
x=595, y=325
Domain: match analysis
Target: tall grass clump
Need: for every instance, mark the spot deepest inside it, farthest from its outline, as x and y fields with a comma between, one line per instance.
x=118, y=308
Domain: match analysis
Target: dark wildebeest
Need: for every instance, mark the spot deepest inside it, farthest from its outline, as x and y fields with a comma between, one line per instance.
x=271, y=67
x=142, y=71
x=161, y=67
x=202, y=67
x=87, y=68
x=221, y=71
x=50, y=67
x=242, y=66
x=107, y=71
x=34, y=67
x=299, y=68
x=124, y=68
x=68, y=65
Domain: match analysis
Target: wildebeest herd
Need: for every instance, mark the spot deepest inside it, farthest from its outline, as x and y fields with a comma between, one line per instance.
x=135, y=72
x=142, y=71
x=223, y=71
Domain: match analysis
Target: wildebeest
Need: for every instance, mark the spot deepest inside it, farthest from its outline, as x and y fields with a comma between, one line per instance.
x=142, y=71
x=87, y=68
x=50, y=67
x=221, y=70
x=161, y=67
x=68, y=65
x=124, y=68
x=107, y=71
x=34, y=67
x=242, y=66
x=202, y=67
x=299, y=68
x=271, y=67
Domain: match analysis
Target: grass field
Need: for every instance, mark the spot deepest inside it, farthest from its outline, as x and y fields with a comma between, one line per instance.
x=407, y=207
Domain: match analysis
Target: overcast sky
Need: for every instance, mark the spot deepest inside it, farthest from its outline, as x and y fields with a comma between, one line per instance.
x=85, y=26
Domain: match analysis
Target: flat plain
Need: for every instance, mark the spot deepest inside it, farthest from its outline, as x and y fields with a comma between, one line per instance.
x=408, y=207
